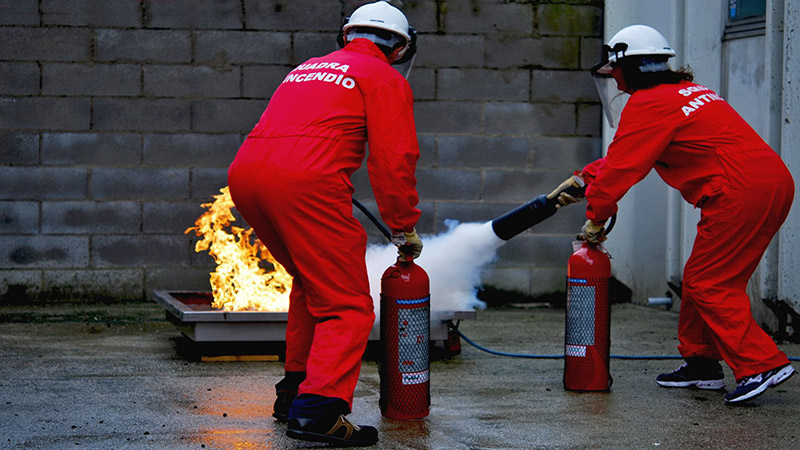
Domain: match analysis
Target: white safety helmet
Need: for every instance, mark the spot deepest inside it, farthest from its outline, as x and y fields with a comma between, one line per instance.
x=635, y=40
x=381, y=15
x=649, y=51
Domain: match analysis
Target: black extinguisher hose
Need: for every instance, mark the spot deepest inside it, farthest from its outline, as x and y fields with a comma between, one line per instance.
x=385, y=231
x=611, y=222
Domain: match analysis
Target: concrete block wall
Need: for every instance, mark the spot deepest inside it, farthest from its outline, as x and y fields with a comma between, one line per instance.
x=118, y=118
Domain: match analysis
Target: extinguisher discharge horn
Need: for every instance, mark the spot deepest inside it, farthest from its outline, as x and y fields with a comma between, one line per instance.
x=525, y=216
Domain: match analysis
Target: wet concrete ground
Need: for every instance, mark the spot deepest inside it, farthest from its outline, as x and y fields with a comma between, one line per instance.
x=104, y=377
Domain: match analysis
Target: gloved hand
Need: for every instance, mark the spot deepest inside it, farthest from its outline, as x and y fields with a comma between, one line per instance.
x=408, y=243
x=593, y=232
x=563, y=198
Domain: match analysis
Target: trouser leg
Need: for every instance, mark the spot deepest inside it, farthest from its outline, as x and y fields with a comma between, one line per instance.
x=732, y=235
x=311, y=219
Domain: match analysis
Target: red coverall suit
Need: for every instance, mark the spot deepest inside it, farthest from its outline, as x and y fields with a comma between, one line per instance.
x=291, y=182
x=700, y=146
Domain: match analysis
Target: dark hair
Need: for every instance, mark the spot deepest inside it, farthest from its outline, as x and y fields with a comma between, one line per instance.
x=636, y=79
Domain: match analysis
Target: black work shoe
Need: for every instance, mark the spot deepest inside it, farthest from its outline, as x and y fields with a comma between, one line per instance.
x=339, y=433
x=753, y=386
x=695, y=372
x=280, y=411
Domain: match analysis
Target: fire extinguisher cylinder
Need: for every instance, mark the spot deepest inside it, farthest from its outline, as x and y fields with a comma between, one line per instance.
x=529, y=214
x=588, y=320
x=405, y=340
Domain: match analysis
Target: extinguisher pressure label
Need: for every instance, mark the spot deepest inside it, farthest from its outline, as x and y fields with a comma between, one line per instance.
x=580, y=315
x=413, y=335
x=575, y=350
x=415, y=378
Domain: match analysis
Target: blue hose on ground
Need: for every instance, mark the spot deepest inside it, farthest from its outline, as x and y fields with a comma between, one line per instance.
x=523, y=355
x=495, y=352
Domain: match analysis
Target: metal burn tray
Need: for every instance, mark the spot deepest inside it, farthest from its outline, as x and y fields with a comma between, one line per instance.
x=192, y=314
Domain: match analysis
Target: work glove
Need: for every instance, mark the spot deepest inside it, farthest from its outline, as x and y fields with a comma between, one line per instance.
x=593, y=232
x=563, y=198
x=407, y=242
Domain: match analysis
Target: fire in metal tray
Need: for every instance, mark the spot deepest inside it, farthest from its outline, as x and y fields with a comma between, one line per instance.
x=247, y=277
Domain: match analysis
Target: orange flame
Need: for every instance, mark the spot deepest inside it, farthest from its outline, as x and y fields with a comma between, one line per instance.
x=239, y=283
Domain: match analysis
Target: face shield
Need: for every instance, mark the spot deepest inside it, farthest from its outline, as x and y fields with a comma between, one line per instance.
x=405, y=67
x=611, y=97
x=405, y=59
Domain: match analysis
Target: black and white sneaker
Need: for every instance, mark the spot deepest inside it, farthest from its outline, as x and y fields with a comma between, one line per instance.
x=695, y=372
x=338, y=432
x=753, y=386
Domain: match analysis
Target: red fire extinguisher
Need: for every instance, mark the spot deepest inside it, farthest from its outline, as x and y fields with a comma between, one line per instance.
x=588, y=322
x=405, y=335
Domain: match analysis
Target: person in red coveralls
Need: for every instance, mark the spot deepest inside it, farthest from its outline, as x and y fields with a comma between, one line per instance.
x=700, y=146
x=290, y=180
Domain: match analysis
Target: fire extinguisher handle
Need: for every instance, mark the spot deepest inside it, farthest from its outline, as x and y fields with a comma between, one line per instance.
x=609, y=226
x=576, y=191
x=405, y=253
